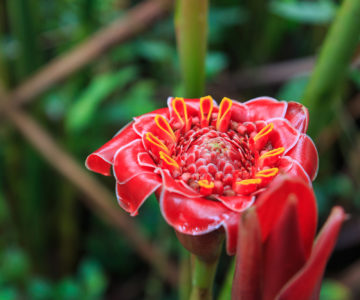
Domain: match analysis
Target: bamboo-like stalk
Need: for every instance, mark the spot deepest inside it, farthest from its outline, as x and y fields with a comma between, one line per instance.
x=334, y=59
x=203, y=279
x=184, y=276
x=23, y=18
x=191, y=34
x=225, y=292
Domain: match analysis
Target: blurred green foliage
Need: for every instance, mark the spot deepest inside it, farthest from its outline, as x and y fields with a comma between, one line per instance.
x=305, y=12
x=40, y=213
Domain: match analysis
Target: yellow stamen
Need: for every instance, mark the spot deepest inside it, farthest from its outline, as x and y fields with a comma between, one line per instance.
x=273, y=152
x=155, y=141
x=184, y=110
x=222, y=114
x=204, y=101
x=163, y=124
x=249, y=181
x=168, y=160
x=206, y=184
x=267, y=173
x=265, y=131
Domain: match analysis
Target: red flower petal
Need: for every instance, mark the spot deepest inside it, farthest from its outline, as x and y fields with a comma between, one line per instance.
x=305, y=284
x=237, y=203
x=146, y=123
x=248, y=269
x=239, y=112
x=130, y=197
x=193, y=216
x=264, y=108
x=306, y=154
x=291, y=167
x=126, y=165
x=298, y=116
x=177, y=186
x=284, y=252
x=145, y=160
x=270, y=206
x=101, y=160
x=231, y=227
x=283, y=134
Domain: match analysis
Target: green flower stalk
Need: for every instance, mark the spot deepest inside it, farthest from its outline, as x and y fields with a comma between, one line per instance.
x=333, y=61
x=191, y=32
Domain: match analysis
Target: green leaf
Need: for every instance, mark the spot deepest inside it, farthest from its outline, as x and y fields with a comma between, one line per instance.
x=84, y=109
x=68, y=289
x=155, y=50
x=221, y=19
x=39, y=289
x=8, y=293
x=137, y=101
x=14, y=265
x=294, y=89
x=4, y=212
x=320, y=12
x=333, y=290
x=355, y=77
x=93, y=279
x=215, y=63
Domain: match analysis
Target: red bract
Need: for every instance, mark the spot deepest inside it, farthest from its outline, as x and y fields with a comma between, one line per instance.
x=207, y=163
x=283, y=263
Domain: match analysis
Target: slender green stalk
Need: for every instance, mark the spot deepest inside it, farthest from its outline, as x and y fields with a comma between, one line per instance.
x=191, y=32
x=185, y=275
x=202, y=279
x=23, y=22
x=225, y=292
x=334, y=59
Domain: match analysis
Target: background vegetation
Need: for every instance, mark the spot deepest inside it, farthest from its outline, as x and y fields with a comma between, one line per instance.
x=55, y=243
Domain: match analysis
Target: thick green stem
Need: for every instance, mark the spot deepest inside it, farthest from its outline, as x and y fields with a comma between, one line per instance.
x=191, y=32
x=333, y=61
x=185, y=276
x=225, y=292
x=202, y=278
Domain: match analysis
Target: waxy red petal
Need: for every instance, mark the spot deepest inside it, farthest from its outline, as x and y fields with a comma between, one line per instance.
x=237, y=203
x=101, y=160
x=283, y=134
x=145, y=160
x=130, y=197
x=177, y=186
x=193, y=215
x=247, y=282
x=264, y=108
x=231, y=227
x=304, y=285
x=126, y=165
x=283, y=251
x=298, y=115
x=146, y=123
x=239, y=112
x=306, y=154
x=270, y=206
x=130, y=175
x=292, y=167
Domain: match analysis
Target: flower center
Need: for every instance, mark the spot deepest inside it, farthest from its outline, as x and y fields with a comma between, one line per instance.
x=207, y=155
x=213, y=154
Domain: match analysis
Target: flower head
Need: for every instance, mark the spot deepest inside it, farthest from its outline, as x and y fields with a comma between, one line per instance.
x=207, y=163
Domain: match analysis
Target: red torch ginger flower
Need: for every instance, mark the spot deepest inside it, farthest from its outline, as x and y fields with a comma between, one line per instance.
x=283, y=263
x=207, y=163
